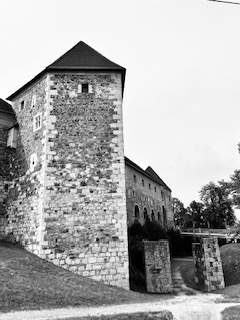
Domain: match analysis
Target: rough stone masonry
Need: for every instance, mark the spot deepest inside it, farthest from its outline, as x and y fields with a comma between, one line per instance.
x=208, y=265
x=66, y=198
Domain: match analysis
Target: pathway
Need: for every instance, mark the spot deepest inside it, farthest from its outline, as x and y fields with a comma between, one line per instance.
x=199, y=307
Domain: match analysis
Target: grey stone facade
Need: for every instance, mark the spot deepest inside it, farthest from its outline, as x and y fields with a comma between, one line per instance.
x=147, y=195
x=208, y=265
x=63, y=184
x=158, y=266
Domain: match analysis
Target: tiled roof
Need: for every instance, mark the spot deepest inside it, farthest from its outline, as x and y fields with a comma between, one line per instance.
x=149, y=172
x=5, y=107
x=83, y=56
x=80, y=57
x=153, y=174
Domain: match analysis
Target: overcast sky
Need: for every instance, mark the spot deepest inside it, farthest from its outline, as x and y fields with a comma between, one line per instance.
x=182, y=91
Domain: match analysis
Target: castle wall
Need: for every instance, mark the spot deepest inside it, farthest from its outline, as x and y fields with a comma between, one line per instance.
x=158, y=266
x=84, y=216
x=25, y=191
x=207, y=265
x=153, y=198
x=5, y=173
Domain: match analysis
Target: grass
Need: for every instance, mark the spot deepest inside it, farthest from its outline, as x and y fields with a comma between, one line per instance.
x=230, y=256
x=28, y=282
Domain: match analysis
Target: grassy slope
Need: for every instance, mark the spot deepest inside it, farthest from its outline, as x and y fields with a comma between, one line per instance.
x=28, y=282
x=230, y=255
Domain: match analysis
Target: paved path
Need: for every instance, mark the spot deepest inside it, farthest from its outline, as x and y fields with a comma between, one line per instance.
x=200, y=307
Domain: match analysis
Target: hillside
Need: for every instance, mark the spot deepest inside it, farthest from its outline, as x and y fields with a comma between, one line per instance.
x=230, y=254
x=28, y=282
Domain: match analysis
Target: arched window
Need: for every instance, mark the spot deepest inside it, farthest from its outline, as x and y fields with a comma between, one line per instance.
x=164, y=217
x=136, y=212
x=145, y=214
x=134, y=178
x=152, y=215
x=159, y=217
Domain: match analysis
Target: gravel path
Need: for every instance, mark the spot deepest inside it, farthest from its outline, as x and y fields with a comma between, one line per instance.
x=200, y=307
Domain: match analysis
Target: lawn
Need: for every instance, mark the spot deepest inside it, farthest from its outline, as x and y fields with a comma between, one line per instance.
x=28, y=282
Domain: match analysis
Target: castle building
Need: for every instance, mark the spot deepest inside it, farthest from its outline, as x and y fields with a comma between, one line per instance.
x=67, y=192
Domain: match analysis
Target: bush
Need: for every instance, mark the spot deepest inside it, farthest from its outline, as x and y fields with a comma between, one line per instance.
x=152, y=231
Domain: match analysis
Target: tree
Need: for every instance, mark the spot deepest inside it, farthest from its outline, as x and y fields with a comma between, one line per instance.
x=179, y=212
x=218, y=205
x=196, y=209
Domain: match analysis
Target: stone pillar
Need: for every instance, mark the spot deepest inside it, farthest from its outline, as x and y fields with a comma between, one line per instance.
x=207, y=265
x=158, y=266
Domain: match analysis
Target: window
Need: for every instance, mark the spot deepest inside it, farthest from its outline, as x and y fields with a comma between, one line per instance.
x=135, y=178
x=145, y=214
x=34, y=100
x=152, y=215
x=149, y=185
x=85, y=88
x=136, y=212
x=155, y=189
x=37, y=122
x=159, y=217
x=12, y=138
x=142, y=182
x=22, y=105
x=33, y=161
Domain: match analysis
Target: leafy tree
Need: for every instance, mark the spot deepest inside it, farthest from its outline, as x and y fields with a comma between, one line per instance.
x=196, y=209
x=179, y=212
x=218, y=205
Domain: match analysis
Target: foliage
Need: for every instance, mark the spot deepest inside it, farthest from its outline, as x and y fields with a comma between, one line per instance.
x=179, y=212
x=196, y=209
x=218, y=206
x=151, y=230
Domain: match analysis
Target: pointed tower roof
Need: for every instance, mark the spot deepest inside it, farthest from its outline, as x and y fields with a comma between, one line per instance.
x=81, y=57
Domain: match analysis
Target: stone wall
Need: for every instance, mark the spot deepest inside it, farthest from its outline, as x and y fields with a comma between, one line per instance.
x=155, y=198
x=158, y=266
x=24, y=205
x=208, y=265
x=84, y=211
x=6, y=172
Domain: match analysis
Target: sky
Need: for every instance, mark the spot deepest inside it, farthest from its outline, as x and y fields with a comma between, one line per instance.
x=181, y=103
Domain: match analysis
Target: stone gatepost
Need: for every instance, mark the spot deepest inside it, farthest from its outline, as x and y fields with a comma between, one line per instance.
x=208, y=265
x=158, y=266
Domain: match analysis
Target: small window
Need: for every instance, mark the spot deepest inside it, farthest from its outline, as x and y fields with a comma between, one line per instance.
x=136, y=212
x=34, y=100
x=37, y=122
x=142, y=182
x=22, y=105
x=149, y=186
x=12, y=138
x=159, y=217
x=145, y=214
x=155, y=189
x=33, y=161
x=135, y=178
x=152, y=215
x=85, y=88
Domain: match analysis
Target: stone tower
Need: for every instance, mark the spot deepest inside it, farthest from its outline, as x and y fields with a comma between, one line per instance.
x=67, y=199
